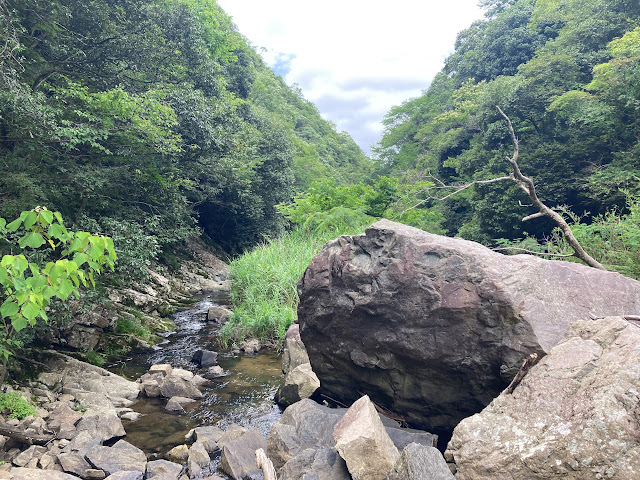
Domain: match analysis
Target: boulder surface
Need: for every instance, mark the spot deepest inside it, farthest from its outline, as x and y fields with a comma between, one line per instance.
x=434, y=328
x=573, y=416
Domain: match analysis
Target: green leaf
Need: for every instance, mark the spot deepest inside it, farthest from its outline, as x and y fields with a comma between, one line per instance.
x=31, y=219
x=31, y=239
x=47, y=216
x=58, y=217
x=15, y=225
x=19, y=323
x=30, y=310
x=21, y=264
x=7, y=260
x=9, y=308
x=80, y=258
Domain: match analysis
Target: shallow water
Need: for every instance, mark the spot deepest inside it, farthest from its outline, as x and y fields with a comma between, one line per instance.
x=243, y=396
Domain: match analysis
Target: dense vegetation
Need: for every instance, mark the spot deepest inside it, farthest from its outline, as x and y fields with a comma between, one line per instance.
x=151, y=121
x=567, y=74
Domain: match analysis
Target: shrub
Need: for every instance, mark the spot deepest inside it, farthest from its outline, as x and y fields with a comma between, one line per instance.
x=15, y=405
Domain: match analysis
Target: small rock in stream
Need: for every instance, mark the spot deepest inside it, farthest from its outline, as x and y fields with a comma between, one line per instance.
x=205, y=358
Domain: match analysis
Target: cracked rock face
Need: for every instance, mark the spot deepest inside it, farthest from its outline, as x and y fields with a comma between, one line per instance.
x=574, y=416
x=434, y=328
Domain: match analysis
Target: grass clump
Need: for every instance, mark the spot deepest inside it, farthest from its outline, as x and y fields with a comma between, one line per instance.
x=14, y=404
x=94, y=358
x=132, y=326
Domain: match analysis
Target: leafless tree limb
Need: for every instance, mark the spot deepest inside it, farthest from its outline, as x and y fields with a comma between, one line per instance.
x=545, y=254
x=526, y=184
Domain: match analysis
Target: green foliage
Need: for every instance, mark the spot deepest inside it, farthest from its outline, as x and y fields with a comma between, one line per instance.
x=94, y=358
x=54, y=263
x=132, y=326
x=14, y=404
x=568, y=79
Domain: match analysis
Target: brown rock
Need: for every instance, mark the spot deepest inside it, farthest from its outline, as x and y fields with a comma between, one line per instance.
x=363, y=442
x=434, y=328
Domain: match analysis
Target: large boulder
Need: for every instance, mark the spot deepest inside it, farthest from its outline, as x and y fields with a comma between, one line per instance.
x=434, y=328
x=299, y=383
x=294, y=352
x=419, y=462
x=574, y=415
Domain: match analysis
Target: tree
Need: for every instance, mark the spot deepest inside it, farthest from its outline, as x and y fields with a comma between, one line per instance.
x=54, y=262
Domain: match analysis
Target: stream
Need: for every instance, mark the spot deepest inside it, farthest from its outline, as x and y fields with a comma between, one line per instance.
x=243, y=396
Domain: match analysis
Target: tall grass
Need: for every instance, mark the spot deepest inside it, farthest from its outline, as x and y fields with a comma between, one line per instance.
x=263, y=284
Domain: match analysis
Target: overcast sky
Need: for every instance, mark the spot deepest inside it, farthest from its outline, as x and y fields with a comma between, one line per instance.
x=354, y=59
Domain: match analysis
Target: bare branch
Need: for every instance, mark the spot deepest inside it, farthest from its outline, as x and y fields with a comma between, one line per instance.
x=543, y=254
x=527, y=185
x=531, y=217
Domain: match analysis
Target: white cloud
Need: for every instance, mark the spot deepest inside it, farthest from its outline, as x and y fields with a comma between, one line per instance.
x=355, y=59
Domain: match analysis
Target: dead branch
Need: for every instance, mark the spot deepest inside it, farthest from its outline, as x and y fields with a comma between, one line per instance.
x=22, y=437
x=527, y=185
x=526, y=366
x=544, y=254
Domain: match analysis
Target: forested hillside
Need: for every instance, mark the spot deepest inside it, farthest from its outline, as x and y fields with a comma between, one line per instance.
x=567, y=73
x=150, y=120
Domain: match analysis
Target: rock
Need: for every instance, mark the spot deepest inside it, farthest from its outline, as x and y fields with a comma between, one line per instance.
x=163, y=467
x=121, y=457
x=198, y=380
x=124, y=475
x=162, y=368
x=208, y=437
x=215, y=371
x=219, y=314
x=100, y=423
x=401, y=437
x=151, y=388
x=82, y=337
x=175, y=386
x=303, y=425
x=73, y=462
x=434, y=328
x=178, y=454
x=238, y=456
x=62, y=421
x=363, y=442
x=37, y=474
x=299, y=383
x=311, y=464
x=232, y=433
x=251, y=345
x=130, y=416
x=418, y=462
x=93, y=474
x=175, y=404
x=294, y=353
x=198, y=454
x=182, y=373
x=29, y=454
x=574, y=415
x=205, y=358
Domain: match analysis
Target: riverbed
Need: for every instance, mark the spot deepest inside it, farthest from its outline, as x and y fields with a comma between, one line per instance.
x=244, y=395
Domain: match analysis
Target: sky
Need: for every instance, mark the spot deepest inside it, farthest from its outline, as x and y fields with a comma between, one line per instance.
x=354, y=59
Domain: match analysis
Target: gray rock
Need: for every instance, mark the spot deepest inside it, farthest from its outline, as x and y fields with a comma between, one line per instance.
x=121, y=457
x=238, y=456
x=73, y=462
x=37, y=474
x=208, y=437
x=574, y=415
x=215, y=371
x=419, y=462
x=251, y=345
x=205, y=358
x=125, y=475
x=232, y=433
x=434, y=328
x=303, y=425
x=219, y=314
x=104, y=424
x=198, y=455
x=62, y=421
x=93, y=474
x=164, y=468
x=150, y=387
x=299, y=383
x=29, y=454
x=294, y=353
x=401, y=437
x=179, y=453
x=364, y=443
x=175, y=386
x=312, y=464
x=162, y=368
x=175, y=404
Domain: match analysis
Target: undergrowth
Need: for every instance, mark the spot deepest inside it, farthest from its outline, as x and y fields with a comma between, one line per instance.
x=14, y=404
